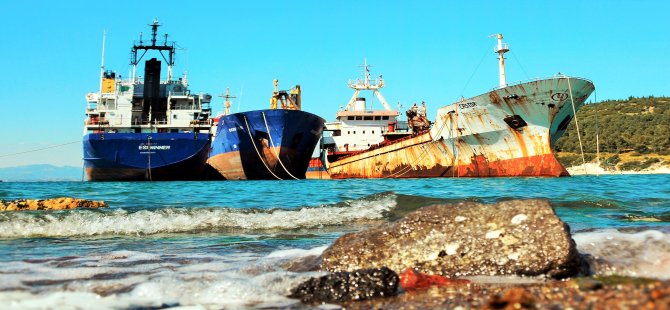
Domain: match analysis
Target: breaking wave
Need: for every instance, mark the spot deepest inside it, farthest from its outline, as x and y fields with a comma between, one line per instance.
x=193, y=220
x=638, y=254
x=139, y=280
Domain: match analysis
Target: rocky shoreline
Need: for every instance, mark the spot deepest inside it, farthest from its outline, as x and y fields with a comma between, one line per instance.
x=576, y=293
x=61, y=203
x=514, y=254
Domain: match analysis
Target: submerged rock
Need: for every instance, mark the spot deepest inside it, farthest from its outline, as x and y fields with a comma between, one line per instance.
x=62, y=203
x=516, y=237
x=347, y=286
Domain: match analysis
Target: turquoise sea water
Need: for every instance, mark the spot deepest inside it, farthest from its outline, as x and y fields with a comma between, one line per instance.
x=223, y=244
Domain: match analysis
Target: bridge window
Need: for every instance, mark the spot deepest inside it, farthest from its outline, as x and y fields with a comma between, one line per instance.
x=368, y=118
x=385, y=117
x=351, y=118
x=358, y=118
x=337, y=133
x=377, y=118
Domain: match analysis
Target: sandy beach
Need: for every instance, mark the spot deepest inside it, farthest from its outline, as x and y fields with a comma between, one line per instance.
x=595, y=169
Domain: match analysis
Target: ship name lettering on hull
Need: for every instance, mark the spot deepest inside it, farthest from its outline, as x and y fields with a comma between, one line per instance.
x=154, y=147
x=559, y=96
x=233, y=129
x=467, y=105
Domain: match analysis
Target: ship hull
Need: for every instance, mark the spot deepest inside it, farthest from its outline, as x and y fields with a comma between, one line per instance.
x=265, y=144
x=145, y=156
x=507, y=132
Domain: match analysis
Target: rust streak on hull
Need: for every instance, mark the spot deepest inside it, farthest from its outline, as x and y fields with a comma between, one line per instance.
x=234, y=166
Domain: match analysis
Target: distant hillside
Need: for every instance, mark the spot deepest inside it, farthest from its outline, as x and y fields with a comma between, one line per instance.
x=636, y=129
x=33, y=173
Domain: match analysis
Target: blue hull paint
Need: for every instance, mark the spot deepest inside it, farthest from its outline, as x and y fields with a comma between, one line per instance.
x=246, y=148
x=145, y=156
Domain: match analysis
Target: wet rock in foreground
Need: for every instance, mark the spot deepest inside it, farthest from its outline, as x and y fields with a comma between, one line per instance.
x=550, y=294
x=348, y=286
x=516, y=237
x=62, y=203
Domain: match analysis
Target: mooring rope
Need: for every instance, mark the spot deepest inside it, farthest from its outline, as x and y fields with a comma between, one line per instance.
x=149, y=157
x=40, y=149
x=579, y=136
x=272, y=145
x=595, y=94
x=453, y=132
x=255, y=148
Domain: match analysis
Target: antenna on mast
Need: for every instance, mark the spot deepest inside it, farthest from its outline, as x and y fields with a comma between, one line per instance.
x=102, y=62
x=366, y=71
x=154, y=28
x=227, y=104
x=501, y=49
x=168, y=46
x=367, y=84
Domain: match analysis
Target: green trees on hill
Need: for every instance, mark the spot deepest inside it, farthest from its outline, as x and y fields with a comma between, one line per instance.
x=636, y=124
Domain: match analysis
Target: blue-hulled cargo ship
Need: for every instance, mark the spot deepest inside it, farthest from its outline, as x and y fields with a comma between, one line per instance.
x=146, y=128
x=270, y=144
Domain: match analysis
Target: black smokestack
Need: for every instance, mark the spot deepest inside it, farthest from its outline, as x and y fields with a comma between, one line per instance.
x=152, y=87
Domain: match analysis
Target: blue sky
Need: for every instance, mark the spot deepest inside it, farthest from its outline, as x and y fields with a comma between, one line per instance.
x=426, y=50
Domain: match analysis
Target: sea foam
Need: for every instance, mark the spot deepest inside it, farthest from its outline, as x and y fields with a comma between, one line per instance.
x=191, y=220
x=640, y=254
x=212, y=283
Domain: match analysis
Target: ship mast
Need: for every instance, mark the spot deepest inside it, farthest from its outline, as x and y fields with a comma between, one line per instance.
x=168, y=46
x=501, y=49
x=367, y=84
x=227, y=104
x=102, y=63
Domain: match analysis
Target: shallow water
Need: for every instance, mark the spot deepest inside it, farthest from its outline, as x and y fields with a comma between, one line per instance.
x=222, y=244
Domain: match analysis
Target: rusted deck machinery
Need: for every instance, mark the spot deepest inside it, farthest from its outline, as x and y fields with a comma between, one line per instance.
x=506, y=132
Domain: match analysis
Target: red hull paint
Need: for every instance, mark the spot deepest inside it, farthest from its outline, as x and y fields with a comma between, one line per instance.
x=228, y=164
x=534, y=166
x=234, y=166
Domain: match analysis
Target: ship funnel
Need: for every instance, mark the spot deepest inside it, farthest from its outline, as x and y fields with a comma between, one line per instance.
x=152, y=87
x=359, y=105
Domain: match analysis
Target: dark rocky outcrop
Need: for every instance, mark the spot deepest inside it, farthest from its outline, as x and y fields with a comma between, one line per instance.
x=347, y=286
x=516, y=237
x=62, y=203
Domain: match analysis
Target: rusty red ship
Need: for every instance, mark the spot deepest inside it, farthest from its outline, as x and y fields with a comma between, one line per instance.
x=506, y=132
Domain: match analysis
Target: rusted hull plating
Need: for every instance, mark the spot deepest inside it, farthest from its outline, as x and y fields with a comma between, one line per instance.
x=506, y=132
x=234, y=166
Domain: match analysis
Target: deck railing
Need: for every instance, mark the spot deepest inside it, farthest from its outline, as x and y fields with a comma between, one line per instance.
x=558, y=76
